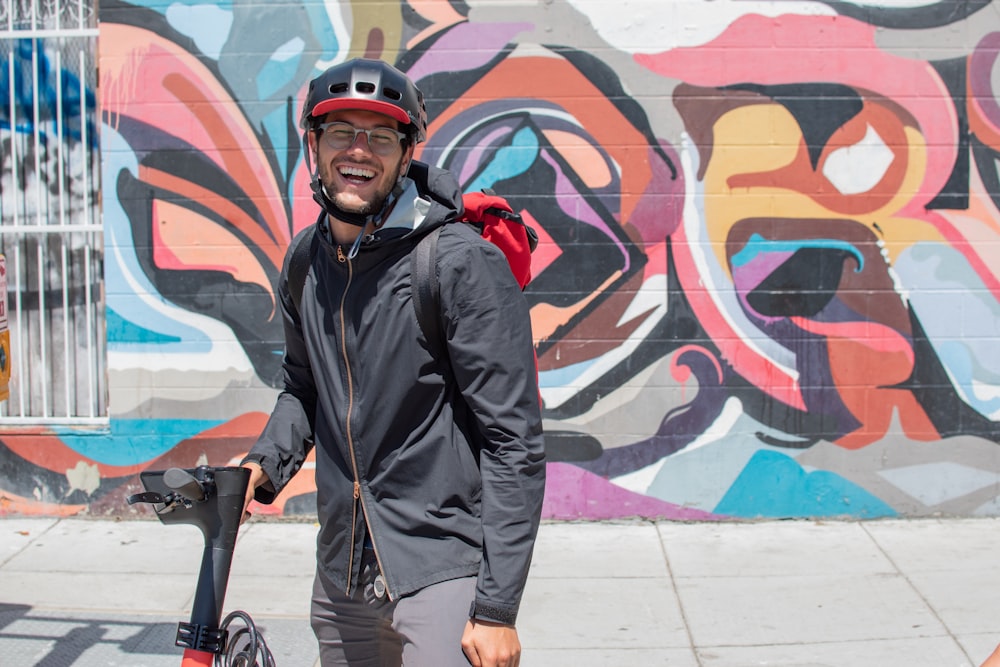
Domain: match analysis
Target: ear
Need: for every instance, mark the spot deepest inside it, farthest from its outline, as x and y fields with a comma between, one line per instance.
x=404, y=164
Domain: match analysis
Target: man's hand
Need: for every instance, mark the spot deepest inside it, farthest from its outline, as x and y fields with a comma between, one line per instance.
x=257, y=477
x=491, y=644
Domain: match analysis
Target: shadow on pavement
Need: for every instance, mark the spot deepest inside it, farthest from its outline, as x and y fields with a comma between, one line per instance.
x=57, y=640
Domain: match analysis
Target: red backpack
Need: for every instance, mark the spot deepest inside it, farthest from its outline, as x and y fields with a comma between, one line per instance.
x=498, y=224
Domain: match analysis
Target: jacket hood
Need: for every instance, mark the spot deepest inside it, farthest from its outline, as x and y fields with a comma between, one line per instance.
x=441, y=189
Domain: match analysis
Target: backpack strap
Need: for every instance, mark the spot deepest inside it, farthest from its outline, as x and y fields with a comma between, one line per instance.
x=425, y=287
x=298, y=265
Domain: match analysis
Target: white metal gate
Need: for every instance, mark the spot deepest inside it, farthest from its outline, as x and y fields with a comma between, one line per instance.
x=50, y=228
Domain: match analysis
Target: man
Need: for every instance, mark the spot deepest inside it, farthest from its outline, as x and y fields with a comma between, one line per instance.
x=429, y=454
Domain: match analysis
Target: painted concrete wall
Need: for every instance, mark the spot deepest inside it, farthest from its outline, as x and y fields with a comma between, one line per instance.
x=768, y=277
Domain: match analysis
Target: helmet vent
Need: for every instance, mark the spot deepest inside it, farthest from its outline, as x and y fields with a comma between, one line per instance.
x=392, y=94
x=364, y=87
x=337, y=88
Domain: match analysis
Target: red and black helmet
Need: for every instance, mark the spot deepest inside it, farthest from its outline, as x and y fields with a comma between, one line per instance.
x=371, y=85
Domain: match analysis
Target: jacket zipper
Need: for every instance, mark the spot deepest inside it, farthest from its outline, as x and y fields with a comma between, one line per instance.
x=358, y=500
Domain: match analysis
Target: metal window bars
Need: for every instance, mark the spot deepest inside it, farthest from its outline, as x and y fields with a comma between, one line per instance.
x=50, y=229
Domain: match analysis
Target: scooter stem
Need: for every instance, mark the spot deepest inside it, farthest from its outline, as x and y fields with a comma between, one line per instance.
x=220, y=531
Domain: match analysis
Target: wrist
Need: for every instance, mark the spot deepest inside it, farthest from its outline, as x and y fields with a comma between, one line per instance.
x=254, y=463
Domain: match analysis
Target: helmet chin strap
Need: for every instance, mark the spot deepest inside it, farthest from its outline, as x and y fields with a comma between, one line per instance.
x=377, y=218
x=325, y=202
x=357, y=219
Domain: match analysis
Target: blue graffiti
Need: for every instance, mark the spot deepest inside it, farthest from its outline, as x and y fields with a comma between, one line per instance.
x=758, y=245
x=774, y=485
x=132, y=441
x=62, y=105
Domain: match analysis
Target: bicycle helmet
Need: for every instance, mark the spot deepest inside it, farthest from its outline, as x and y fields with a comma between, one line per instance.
x=371, y=85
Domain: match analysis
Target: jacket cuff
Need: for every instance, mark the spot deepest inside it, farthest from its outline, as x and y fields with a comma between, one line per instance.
x=491, y=611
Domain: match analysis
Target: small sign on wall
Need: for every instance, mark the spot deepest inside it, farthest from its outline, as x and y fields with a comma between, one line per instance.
x=4, y=334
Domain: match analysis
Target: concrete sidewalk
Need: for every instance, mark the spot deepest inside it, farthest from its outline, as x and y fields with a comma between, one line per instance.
x=918, y=593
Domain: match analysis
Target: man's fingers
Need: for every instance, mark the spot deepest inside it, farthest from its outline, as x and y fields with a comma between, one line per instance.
x=469, y=646
x=472, y=655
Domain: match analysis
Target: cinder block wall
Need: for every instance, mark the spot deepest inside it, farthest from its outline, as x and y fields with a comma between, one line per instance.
x=768, y=274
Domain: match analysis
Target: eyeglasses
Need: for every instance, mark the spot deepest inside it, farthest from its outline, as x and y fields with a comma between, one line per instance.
x=381, y=140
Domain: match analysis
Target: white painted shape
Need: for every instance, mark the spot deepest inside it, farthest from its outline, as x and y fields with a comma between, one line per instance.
x=859, y=168
x=935, y=483
x=654, y=26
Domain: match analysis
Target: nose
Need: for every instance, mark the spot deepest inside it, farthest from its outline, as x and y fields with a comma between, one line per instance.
x=360, y=142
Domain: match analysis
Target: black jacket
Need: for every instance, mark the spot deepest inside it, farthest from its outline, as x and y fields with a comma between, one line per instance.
x=440, y=459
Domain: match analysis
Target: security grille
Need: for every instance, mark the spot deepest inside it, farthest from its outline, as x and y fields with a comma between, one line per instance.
x=50, y=229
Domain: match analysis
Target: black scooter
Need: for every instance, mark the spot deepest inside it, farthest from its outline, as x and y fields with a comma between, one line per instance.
x=211, y=499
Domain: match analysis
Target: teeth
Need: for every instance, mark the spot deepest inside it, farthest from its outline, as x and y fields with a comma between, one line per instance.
x=357, y=171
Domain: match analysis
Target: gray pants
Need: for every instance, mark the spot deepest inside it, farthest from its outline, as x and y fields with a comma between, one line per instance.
x=421, y=629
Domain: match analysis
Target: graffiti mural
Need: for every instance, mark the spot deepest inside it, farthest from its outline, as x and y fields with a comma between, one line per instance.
x=767, y=279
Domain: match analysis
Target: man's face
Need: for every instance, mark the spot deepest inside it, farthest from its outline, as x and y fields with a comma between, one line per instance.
x=357, y=179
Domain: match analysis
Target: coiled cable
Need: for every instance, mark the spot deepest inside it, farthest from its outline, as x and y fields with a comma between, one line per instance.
x=246, y=646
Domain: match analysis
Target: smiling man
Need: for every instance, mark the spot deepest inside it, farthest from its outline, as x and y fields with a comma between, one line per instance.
x=359, y=176
x=429, y=454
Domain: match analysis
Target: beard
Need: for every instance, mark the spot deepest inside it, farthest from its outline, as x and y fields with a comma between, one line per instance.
x=349, y=203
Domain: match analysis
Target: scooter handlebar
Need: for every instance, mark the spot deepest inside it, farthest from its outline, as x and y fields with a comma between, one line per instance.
x=184, y=483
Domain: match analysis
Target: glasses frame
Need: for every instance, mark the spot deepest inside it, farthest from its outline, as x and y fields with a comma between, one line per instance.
x=401, y=136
